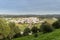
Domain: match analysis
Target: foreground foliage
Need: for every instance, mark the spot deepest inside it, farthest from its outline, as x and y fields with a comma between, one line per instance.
x=56, y=24
x=4, y=28
x=48, y=36
x=46, y=27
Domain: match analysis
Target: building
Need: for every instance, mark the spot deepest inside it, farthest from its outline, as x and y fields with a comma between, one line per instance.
x=24, y=20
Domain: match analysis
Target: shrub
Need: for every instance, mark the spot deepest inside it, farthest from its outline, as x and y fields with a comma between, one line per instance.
x=26, y=31
x=14, y=30
x=17, y=35
x=34, y=29
x=39, y=30
x=4, y=28
x=35, y=35
x=46, y=27
x=56, y=24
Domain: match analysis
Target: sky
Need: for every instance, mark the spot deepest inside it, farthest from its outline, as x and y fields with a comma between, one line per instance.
x=23, y=7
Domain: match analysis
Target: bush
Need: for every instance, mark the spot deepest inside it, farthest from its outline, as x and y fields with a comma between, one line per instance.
x=56, y=24
x=46, y=27
x=4, y=28
x=17, y=35
x=35, y=35
x=14, y=30
x=39, y=30
x=34, y=29
x=26, y=31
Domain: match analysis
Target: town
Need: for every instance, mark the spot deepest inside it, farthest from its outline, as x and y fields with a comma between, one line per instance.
x=28, y=20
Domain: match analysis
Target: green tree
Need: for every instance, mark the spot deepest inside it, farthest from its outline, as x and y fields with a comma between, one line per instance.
x=46, y=27
x=56, y=24
x=26, y=31
x=34, y=29
x=4, y=28
x=14, y=30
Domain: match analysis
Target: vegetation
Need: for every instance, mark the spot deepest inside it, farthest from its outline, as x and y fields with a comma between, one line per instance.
x=14, y=30
x=4, y=28
x=46, y=27
x=44, y=31
x=55, y=35
x=56, y=24
x=34, y=29
x=17, y=35
x=26, y=31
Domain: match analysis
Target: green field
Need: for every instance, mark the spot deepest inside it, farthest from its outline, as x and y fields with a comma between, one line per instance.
x=48, y=36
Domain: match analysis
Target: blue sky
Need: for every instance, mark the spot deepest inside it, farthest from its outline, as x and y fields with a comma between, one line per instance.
x=29, y=7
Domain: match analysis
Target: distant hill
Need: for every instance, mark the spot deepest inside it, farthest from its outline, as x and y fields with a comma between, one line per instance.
x=41, y=16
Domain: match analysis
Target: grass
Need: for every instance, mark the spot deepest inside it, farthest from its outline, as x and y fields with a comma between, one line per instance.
x=51, y=21
x=55, y=35
x=22, y=26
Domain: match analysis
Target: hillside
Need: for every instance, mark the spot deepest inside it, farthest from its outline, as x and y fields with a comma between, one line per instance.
x=55, y=35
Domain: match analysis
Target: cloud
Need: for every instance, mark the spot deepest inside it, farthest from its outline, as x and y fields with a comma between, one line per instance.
x=29, y=6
